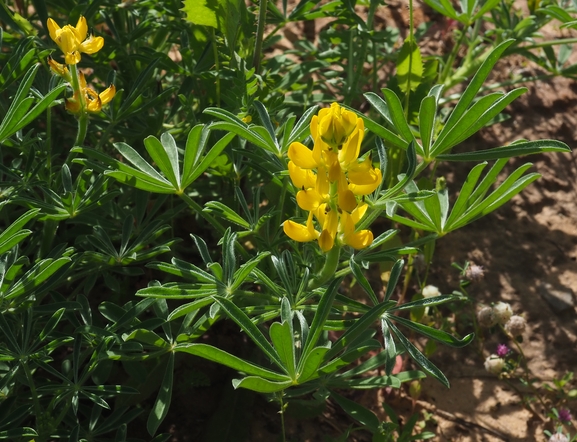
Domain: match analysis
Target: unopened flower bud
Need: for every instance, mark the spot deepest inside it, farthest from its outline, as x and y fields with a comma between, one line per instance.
x=494, y=364
x=430, y=291
x=516, y=325
x=502, y=312
x=486, y=317
x=474, y=272
x=415, y=390
x=558, y=437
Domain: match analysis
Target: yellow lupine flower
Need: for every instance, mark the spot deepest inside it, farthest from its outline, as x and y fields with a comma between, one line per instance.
x=300, y=233
x=335, y=124
x=59, y=69
x=72, y=40
x=330, y=178
x=93, y=100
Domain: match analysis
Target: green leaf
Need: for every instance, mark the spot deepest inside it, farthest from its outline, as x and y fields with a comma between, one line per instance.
x=312, y=362
x=438, y=335
x=222, y=357
x=282, y=337
x=201, y=12
x=260, y=385
x=472, y=89
x=165, y=154
x=359, y=413
x=14, y=233
x=162, y=403
x=513, y=150
x=427, y=118
x=14, y=433
x=362, y=280
x=207, y=160
x=226, y=213
x=409, y=66
x=34, y=277
x=321, y=315
x=418, y=357
x=238, y=316
x=360, y=325
x=246, y=269
x=148, y=337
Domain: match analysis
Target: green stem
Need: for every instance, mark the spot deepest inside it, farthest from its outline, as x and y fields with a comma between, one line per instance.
x=37, y=409
x=82, y=116
x=256, y=57
x=216, y=67
x=280, y=398
x=449, y=64
x=412, y=40
x=329, y=268
x=544, y=44
x=49, y=144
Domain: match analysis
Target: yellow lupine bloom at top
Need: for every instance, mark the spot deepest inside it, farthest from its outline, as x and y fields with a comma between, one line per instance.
x=330, y=177
x=72, y=40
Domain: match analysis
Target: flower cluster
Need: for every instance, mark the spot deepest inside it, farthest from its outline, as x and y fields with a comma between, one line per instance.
x=74, y=40
x=332, y=181
x=501, y=313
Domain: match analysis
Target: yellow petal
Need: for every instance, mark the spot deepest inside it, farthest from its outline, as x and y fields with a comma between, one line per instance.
x=359, y=240
x=58, y=69
x=298, y=232
x=326, y=241
x=336, y=124
x=366, y=189
x=52, y=29
x=352, y=147
x=107, y=94
x=72, y=105
x=92, y=45
x=309, y=199
x=347, y=200
x=302, y=156
x=301, y=177
x=359, y=212
x=67, y=40
x=81, y=29
x=93, y=103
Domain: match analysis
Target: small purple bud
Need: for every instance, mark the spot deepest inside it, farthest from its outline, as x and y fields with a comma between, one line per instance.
x=564, y=415
x=502, y=350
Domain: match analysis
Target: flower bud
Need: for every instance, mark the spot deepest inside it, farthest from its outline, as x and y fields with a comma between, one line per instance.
x=516, y=325
x=494, y=364
x=558, y=437
x=502, y=312
x=474, y=272
x=486, y=317
x=430, y=291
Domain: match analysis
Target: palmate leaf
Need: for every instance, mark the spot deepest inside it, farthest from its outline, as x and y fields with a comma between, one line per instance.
x=164, y=153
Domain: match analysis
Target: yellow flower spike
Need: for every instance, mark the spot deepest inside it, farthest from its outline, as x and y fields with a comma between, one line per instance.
x=72, y=40
x=302, y=156
x=336, y=124
x=300, y=233
x=301, y=177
